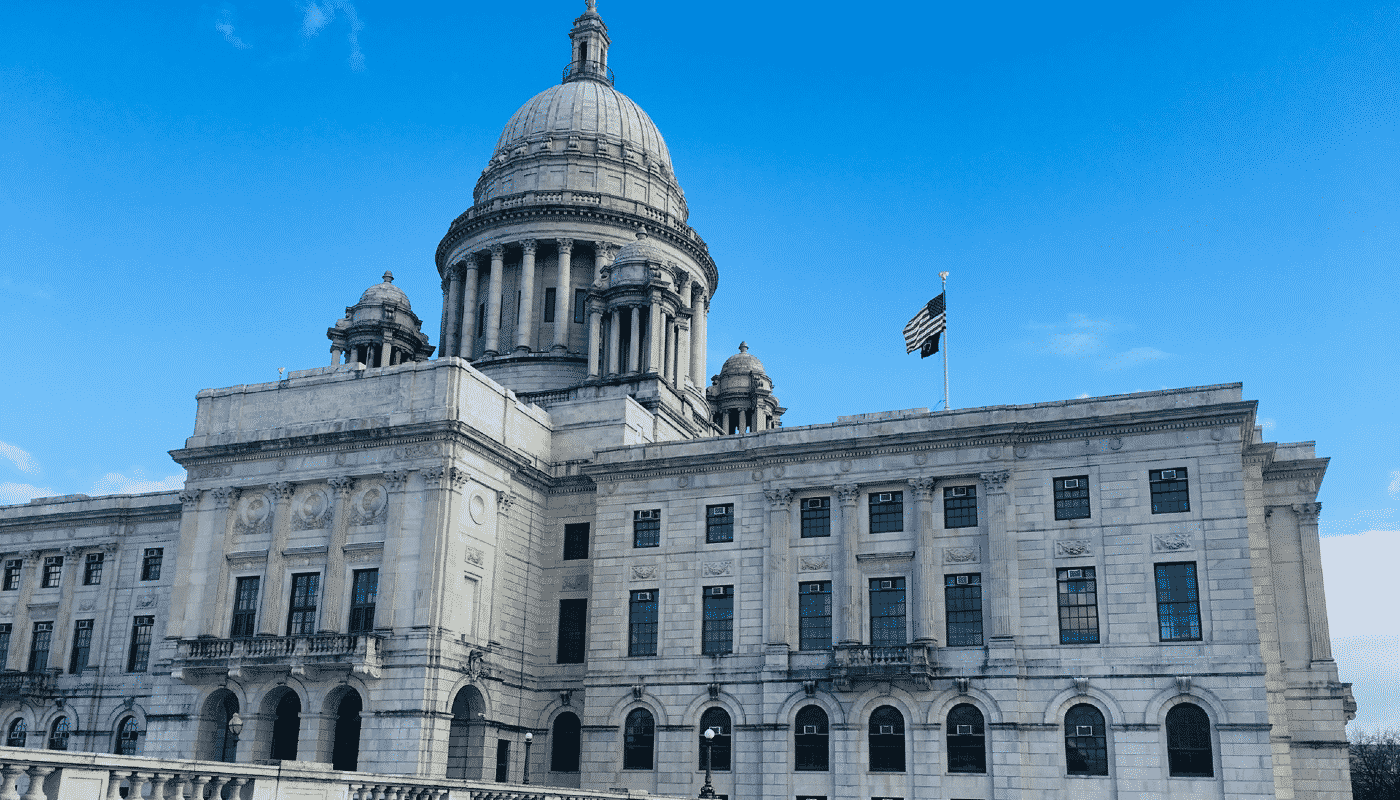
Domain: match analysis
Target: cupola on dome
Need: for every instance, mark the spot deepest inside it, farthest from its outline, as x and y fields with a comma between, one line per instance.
x=385, y=292
x=742, y=363
x=640, y=250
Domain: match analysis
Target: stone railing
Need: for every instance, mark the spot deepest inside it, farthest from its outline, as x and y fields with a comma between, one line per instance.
x=882, y=663
x=30, y=774
x=14, y=685
x=206, y=657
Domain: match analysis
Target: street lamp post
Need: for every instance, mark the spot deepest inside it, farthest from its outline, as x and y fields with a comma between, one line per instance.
x=707, y=791
x=529, y=737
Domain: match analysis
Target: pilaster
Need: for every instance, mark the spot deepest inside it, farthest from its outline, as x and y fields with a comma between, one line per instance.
x=390, y=595
x=217, y=601
x=845, y=591
x=1315, y=596
x=333, y=595
x=1005, y=592
x=780, y=586
x=926, y=582
x=274, y=600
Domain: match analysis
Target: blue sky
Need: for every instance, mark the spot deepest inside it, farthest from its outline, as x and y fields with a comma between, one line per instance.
x=1128, y=198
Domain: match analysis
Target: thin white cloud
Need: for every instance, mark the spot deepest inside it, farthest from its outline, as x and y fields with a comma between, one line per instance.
x=1133, y=357
x=1394, y=487
x=138, y=483
x=23, y=461
x=1266, y=423
x=316, y=17
x=12, y=494
x=224, y=25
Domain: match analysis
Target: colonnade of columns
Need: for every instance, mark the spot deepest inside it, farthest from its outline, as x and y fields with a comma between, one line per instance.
x=625, y=337
x=381, y=354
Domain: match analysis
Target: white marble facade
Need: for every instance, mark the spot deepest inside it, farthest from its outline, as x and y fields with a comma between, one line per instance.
x=561, y=459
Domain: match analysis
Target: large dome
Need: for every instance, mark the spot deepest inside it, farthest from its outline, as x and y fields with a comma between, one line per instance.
x=589, y=108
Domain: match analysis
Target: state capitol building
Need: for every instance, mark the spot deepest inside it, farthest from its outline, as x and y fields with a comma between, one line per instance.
x=547, y=534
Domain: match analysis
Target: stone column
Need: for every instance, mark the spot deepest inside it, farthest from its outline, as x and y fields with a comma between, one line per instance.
x=595, y=332
x=454, y=294
x=493, y=300
x=699, y=347
x=682, y=354
x=925, y=584
x=602, y=257
x=335, y=355
x=332, y=604
x=525, y=320
x=274, y=599
x=634, y=344
x=386, y=352
x=563, y=289
x=467, y=344
x=614, y=339
x=1311, y=548
x=780, y=586
x=217, y=600
x=846, y=590
x=1003, y=594
x=447, y=301
x=656, y=339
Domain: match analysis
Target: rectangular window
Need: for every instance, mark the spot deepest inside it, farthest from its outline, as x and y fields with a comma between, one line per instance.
x=364, y=594
x=140, y=653
x=245, y=606
x=39, y=648
x=886, y=512
x=641, y=624
x=1169, y=494
x=960, y=507
x=301, y=613
x=1072, y=497
x=575, y=541
x=549, y=295
x=580, y=304
x=150, y=563
x=82, y=646
x=573, y=621
x=1079, y=605
x=962, y=596
x=53, y=572
x=1178, y=602
x=887, y=612
x=5, y=630
x=717, y=627
x=719, y=523
x=13, y=568
x=646, y=528
x=814, y=615
x=92, y=569
x=816, y=517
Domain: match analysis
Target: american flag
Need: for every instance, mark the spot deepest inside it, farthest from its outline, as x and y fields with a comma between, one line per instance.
x=923, y=330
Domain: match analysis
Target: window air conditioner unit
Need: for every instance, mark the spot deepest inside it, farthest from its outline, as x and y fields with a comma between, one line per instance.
x=885, y=497
x=809, y=729
x=719, y=511
x=962, y=580
x=886, y=584
x=643, y=595
x=960, y=491
x=886, y=730
x=717, y=591
x=1083, y=730
x=1072, y=483
x=814, y=502
x=1168, y=474
x=964, y=730
x=647, y=514
x=1074, y=573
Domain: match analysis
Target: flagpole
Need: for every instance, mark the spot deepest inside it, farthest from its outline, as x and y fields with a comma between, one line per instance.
x=944, y=276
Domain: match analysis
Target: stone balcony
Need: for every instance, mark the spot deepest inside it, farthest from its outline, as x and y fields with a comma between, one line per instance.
x=848, y=665
x=20, y=685
x=296, y=655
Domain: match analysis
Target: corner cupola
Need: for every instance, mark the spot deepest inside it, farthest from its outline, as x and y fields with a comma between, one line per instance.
x=741, y=396
x=590, y=53
x=379, y=331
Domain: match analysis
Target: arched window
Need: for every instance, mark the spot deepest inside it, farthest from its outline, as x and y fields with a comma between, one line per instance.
x=639, y=740
x=886, y=740
x=1086, y=742
x=18, y=733
x=811, y=740
x=1188, y=742
x=967, y=740
x=127, y=733
x=566, y=743
x=58, y=737
x=286, y=727
x=720, y=746
x=345, y=751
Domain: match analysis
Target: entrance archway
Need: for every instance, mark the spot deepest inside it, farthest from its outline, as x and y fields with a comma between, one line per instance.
x=216, y=741
x=286, y=726
x=467, y=738
x=345, y=752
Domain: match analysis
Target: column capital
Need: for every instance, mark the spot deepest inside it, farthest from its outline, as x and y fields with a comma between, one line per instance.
x=223, y=495
x=604, y=251
x=778, y=498
x=923, y=487
x=1307, y=513
x=341, y=485
x=505, y=501
x=282, y=490
x=498, y=251
x=682, y=280
x=443, y=477
x=189, y=498
x=996, y=481
x=848, y=494
x=565, y=245
x=529, y=245
x=395, y=479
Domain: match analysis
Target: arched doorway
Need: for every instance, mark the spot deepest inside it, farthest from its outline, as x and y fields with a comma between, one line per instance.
x=286, y=727
x=345, y=752
x=216, y=741
x=467, y=737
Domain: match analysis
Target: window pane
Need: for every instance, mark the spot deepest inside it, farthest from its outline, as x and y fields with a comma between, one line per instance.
x=962, y=596
x=646, y=528
x=960, y=507
x=1072, y=497
x=245, y=605
x=887, y=612
x=720, y=746
x=82, y=646
x=814, y=615
x=967, y=750
x=886, y=512
x=573, y=622
x=1086, y=741
x=575, y=541
x=639, y=738
x=886, y=740
x=1178, y=602
x=549, y=295
x=641, y=638
x=363, y=599
x=1169, y=491
x=53, y=572
x=816, y=517
x=717, y=626
x=1079, y=610
x=301, y=615
x=719, y=523
x=150, y=563
x=811, y=740
x=1188, y=742
x=92, y=571
x=140, y=652
x=566, y=743
x=39, y=651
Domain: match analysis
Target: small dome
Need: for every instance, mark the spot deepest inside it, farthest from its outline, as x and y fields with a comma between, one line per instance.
x=385, y=292
x=640, y=250
x=587, y=108
x=741, y=363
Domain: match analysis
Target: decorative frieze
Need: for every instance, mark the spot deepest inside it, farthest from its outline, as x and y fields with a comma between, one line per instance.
x=643, y=572
x=1171, y=542
x=962, y=555
x=369, y=506
x=813, y=564
x=312, y=511
x=716, y=569
x=1072, y=548
x=254, y=515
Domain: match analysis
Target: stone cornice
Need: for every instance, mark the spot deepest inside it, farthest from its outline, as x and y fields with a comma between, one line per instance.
x=44, y=515
x=1296, y=469
x=1006, y=436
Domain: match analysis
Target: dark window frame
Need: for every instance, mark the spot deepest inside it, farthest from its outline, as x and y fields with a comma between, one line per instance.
x=566, y=743
x=717, y=620
x=1072, y=500
x=639, y=740
x=814, y=615
x=646, y=528
x=1190, y=752
x=1077, y=599
x=151, y=561
x=302, y=603
x=60, y=734
x=92, y=569
x=576, y=540
x=572, y=631
x=52, y=576
x=719, y=523
x=967, y=739
x=580, y=305
x=722, y=746
x=14, y=570
x=1178, y=607
x=886, y=739
x=6, y=638
x=886, y=516
x=882, y=634
x=551, y=295
x=811, y=749
x=17, y=734
x=139, y=653
x=960, y=507
x=246, y=592
x=40, y=646
x=128, y=736
x=643, y=622
x=1086, y=752
x=816, y=517
x=364, y=599
x=962, y=601
x=81, y=651
x=1170, y=490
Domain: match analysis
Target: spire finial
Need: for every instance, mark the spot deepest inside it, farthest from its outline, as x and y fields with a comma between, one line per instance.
x=388, y=276
x=743, y=347
x=592, y=4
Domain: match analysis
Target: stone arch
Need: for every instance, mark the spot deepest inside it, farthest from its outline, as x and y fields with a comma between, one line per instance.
x=1060, y=703
x=1155, y=712
x=565, y=739
x=340, y=728
x=942, y=704
x=16, y=724
x=724, y=699
x=116, y=722
x=626, y=703
x=835, y=711
x=869, y=701
x=66, y=719
x=214, y=742
x=279, y=734
x=466, y=740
